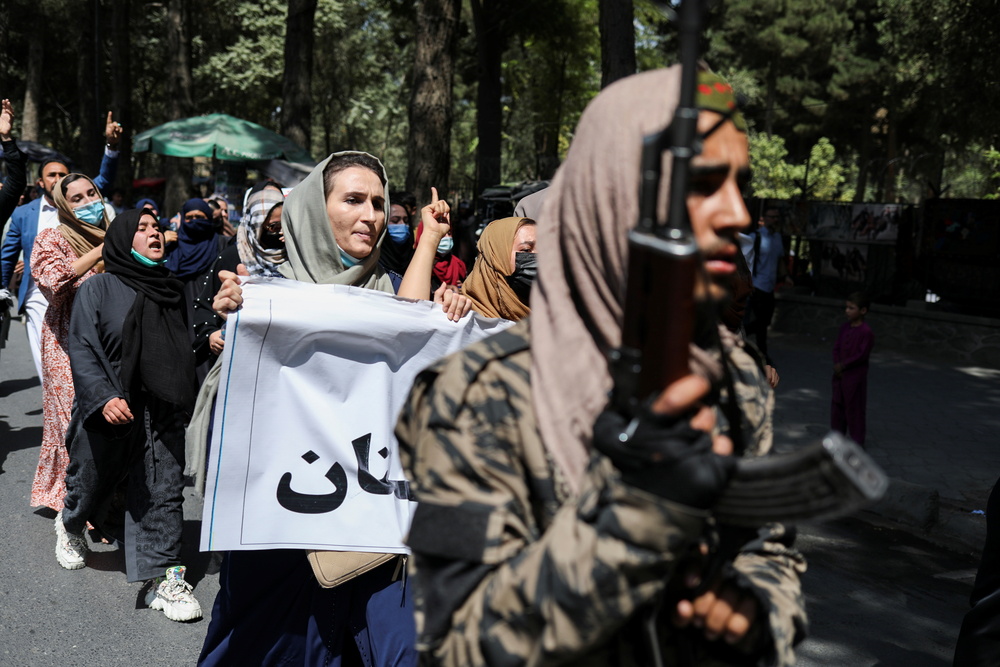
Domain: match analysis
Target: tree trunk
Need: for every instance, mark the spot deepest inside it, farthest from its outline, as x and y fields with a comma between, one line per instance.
x=296, y=91
x=864, y=158
x=5, y=60
x=178, y=170
x=90, y=146
x=617, y=24
x=428, y=150
x=490, y=45
x=30, y=123
x=548, y=130
x=121, y=92
x=892, y=151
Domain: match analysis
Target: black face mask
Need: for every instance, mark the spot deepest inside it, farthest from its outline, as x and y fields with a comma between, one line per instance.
x=270, y=241
x=525, y=271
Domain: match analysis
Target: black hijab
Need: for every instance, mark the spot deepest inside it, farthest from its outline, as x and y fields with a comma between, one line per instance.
x=396, y=256
x=156, y=352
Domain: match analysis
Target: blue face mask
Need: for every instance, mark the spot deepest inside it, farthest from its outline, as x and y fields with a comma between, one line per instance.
x=347, y=260
x=399, y=233
x=92, y=213
x=145, y=261
x=445, y=246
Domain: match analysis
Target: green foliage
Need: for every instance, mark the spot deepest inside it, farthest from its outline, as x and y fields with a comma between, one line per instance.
x=992, y=156
x=549, y=76
x=789, y=47
x=895, y=86
x=826, y=176
x=361, y=86
x=822, y=178
x=773, y=176
x=243, y=78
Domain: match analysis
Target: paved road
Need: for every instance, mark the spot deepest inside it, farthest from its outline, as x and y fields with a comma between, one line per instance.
x=61, y=618
x=876, y=596
x=929, y=423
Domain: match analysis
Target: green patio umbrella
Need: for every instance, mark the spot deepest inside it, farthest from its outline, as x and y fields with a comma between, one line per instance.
x=221, y=136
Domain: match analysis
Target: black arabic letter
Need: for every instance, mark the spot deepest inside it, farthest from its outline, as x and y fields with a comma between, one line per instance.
x=378, y=487
x=304, y=503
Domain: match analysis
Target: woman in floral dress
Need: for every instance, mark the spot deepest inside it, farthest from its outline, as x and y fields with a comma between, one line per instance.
x=63, y=257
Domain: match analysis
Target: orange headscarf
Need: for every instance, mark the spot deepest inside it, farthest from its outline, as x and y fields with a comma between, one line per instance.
x=486, y=285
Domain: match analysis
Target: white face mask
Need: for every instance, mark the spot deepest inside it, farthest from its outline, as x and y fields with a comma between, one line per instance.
x=445, y=245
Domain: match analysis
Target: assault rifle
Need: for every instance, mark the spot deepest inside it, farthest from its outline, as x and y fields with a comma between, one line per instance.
x=824, y=480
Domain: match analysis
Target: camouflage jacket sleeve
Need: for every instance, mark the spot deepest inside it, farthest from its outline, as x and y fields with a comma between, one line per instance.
x=767, y=564
x=504, y=573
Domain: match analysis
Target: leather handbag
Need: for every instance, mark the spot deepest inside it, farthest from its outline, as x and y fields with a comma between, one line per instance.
x=332, y=568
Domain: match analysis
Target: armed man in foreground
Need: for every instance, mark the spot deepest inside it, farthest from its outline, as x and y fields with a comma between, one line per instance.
x=553, y=528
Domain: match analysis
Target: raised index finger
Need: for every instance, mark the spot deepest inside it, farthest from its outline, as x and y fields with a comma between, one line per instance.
x=434, y=195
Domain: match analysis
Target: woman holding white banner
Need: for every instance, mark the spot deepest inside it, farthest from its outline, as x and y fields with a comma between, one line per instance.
x=270, y=608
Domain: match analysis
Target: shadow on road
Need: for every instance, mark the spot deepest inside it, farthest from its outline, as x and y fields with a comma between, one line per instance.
x=12, y=440
x=9, y=387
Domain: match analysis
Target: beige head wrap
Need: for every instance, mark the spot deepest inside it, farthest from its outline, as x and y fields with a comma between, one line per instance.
x=578, y=297
x=313, y=255
x=486, y=286
x=83, y=237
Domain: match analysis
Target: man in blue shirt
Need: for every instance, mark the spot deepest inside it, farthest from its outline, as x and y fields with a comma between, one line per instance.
x=28, y=220
x=764, y=252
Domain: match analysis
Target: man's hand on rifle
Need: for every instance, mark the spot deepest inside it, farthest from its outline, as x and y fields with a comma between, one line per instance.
x=669, y=451
x=668, y=448
x=724, y=611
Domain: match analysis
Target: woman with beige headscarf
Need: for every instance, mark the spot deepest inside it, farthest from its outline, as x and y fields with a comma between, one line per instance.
x=500, y=280
x=548, y=522
x=62, y=258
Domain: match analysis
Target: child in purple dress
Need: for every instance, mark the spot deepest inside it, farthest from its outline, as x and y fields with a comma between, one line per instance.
x=850, y=370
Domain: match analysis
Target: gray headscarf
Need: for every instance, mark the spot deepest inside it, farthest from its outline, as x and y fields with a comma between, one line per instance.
x=313, y=254
x=313, y=257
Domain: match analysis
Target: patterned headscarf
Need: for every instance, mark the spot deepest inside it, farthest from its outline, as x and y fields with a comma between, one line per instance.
x=259, y=261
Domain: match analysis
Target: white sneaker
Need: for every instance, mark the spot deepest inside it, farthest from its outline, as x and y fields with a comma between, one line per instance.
x=71, y=550
x=174, y=597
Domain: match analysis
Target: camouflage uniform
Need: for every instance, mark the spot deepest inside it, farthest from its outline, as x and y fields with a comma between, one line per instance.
x=512, y=570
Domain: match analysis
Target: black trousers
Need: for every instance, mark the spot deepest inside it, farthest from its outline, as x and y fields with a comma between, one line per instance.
x=148, y=456
x=759, y=318
x=979, y=639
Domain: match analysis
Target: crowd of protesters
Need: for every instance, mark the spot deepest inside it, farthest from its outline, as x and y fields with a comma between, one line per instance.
x=539, y=537
x=112, y=297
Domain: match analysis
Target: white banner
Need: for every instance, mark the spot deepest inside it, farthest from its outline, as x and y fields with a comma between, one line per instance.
x=313, y=378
